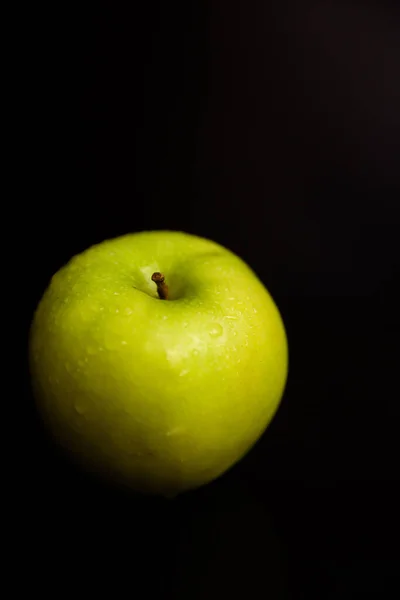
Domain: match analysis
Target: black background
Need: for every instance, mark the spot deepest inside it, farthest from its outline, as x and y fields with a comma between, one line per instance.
x=272, y=128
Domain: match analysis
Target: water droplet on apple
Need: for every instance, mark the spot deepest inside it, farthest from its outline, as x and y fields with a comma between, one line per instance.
x=124, y=342
x=175, y=431
x=183, y=372
x=255, y=310
x=117, y=310
x=68, y=367
x=216, y=330
x=128, y=311
x=165, y=317
x=80, y=409
x=116, y=293
x=91, y=350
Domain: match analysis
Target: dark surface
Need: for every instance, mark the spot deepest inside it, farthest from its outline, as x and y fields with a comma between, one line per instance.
x=274, y=131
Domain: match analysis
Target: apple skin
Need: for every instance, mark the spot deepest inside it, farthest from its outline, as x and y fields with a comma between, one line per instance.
x=158, y=395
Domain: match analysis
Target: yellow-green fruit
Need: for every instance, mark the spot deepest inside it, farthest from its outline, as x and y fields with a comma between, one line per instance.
x=162, y=395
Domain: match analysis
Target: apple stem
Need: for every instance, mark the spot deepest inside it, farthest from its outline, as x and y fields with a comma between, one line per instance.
x=162, y=287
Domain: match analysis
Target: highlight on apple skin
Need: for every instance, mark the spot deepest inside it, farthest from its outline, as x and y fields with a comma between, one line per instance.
x=157, y=360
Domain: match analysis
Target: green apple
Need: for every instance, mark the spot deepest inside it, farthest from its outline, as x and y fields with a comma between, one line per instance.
x=157, y=360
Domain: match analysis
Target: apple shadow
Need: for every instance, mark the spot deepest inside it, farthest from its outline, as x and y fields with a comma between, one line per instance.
x=228, y=545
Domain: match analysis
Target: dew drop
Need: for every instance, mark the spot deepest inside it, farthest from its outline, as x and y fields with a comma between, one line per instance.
x=124, y=342
x=183, y=372
x=128, y=311
x=216, y=330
